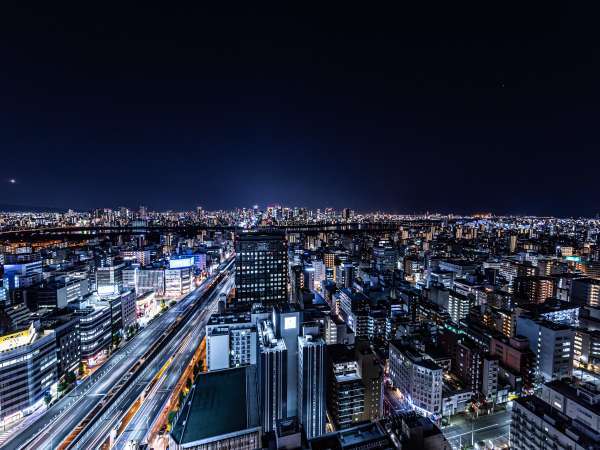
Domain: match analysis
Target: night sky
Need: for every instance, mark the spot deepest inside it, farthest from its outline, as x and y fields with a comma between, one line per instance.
x=372, y=109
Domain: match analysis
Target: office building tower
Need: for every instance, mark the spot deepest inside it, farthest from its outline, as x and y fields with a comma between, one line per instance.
x=109, y=279
x=345, y=391
x=261, y=268
x=320, y=274
x=512, y=244
x=552, y=344
x=178, y=281
x=22, y=275
x=385, y=258
x=311, y=384
x=371, y=374
x=28, y=372
x=58, y=292
x=68, y=340
x=272, y=376
x=287, y=321
x=230, y=341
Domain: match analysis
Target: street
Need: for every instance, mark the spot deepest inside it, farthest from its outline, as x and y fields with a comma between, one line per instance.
x=488, y=427
x=53, y=426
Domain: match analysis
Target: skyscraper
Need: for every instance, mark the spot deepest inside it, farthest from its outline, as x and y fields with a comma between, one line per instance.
x=272, y=376
x=261, y=266
x=311, y=384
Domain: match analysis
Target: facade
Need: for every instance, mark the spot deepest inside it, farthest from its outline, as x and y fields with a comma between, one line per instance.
x=28, y=372
x=148, y=280
x=231, y=341
x=109, y=279
x=418, y=378
x=128, y=309
x=458, y=306
x=345, y=389
x=261, y=268
x=272, y=376
x=178, y=281
x=311, y=385
x=536, y=425
x=68, y=341
x=534, y=289
x=95, y=328
x=586, y=291
x=552, y=345
x=58, y=293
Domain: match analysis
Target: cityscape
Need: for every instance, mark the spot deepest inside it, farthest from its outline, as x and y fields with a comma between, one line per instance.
x=299, y=227
x=277, y=327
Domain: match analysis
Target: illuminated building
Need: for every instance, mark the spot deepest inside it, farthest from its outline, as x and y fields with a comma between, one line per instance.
x=109, y=279
x=272, y=376
x=261, y=268
x=552, y=344
x=418, y=378
x=230, y=341
x=95, y=329
x=538, y=424
x=586, y=291
x=178, y=281
x=28, y=372
x=534, y=289
x=311, y=384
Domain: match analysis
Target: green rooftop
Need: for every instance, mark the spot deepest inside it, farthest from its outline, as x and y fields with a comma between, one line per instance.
x=219, y=403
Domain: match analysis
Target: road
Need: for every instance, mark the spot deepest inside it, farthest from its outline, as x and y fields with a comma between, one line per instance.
x=184, y=346
x=489, y=427
x=59, y=420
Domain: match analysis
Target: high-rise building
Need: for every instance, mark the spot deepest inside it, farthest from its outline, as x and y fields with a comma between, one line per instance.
x=311, y=384
x=564, y=416
x=230, y=341
x=586, y=291
x=345, y=390
x=552, y=345
x=109, y=279
x=28, y=369
x=261, y=268
x=418, y=377
x=534, y=289
x=272, y=376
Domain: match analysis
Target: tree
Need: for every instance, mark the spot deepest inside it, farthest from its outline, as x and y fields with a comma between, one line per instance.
x=81, y=369
x=70, y=377
x=47, y=399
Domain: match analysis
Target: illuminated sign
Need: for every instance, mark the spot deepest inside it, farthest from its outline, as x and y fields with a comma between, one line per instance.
x=180, y=263
x=14, y=340
x=289, y=323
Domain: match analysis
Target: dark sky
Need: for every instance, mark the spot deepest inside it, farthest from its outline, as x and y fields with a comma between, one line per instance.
x=371, y=108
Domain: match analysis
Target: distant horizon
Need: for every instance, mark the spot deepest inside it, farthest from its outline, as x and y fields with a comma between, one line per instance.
x=49, y=209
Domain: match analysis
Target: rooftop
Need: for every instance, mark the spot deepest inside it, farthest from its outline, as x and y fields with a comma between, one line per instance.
x=205, y=414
